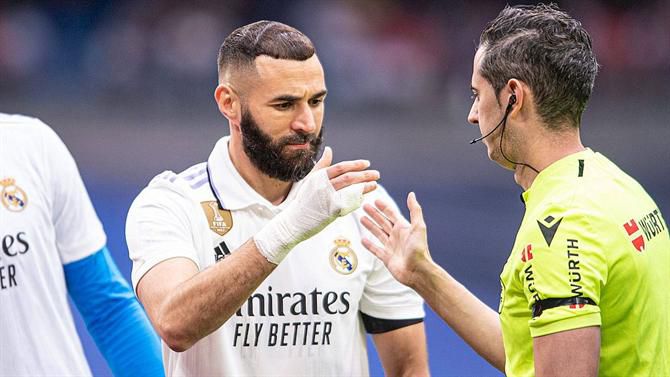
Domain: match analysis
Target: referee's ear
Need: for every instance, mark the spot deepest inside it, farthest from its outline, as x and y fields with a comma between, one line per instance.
x=228, y=102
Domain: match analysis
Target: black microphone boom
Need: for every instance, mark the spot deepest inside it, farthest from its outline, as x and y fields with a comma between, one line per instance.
x=503, y=121
x=512, y=101
x=477, y=140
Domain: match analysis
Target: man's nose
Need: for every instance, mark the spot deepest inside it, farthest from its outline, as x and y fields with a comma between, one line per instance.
x=304, y=120
x=473, y=116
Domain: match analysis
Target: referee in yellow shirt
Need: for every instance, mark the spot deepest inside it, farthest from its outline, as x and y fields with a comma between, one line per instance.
x=586, y=288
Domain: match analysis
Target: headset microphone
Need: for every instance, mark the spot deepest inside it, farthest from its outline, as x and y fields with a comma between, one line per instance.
x=512, y=101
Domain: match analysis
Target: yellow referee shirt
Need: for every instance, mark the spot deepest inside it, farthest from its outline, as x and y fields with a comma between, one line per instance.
x=592, y=250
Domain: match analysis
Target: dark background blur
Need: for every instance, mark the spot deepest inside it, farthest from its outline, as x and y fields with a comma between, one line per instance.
x=129, y=87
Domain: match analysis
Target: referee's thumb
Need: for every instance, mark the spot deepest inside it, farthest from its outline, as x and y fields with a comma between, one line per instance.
x=415, y=210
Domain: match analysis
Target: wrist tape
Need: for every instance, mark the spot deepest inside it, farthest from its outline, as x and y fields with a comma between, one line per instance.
x=316, y=205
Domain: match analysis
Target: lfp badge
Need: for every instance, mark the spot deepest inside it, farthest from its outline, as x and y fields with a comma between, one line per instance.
x=343, y=259
x=12, y=196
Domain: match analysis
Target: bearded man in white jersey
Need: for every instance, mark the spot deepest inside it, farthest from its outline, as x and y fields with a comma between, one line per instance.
x=251, y=263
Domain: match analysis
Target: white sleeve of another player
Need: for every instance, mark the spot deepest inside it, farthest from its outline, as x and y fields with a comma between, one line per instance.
x=383, y=297
x=79, y=232
x=159, y=227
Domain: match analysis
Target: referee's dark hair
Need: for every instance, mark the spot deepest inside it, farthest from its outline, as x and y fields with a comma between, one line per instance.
x=548, y=50
x=274, y=39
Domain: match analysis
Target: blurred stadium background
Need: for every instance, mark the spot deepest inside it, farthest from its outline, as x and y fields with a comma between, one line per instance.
x=128, y=85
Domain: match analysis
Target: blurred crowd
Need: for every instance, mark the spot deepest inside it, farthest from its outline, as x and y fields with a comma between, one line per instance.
x=398, y=52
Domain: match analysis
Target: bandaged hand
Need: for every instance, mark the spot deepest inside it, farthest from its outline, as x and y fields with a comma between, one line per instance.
x=328, y=192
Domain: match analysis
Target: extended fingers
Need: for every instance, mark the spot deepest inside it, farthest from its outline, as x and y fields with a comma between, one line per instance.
x=345, y=167
x=369, y=187
x=380, y=220
x=374, y=249
x=375, y=229
x=347, y=179
x=389, y=212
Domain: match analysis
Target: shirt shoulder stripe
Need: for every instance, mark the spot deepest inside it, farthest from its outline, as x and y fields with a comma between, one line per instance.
x=194, y=173
x=167, y=176
x=199, y=183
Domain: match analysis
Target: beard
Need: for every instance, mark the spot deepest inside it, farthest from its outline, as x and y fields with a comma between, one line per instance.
x=273, y=157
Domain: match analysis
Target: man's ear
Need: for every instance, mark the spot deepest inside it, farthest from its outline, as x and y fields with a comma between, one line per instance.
x=517, y=94
x=228, y=102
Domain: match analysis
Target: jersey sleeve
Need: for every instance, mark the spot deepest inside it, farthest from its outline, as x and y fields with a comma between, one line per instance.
x=113, y=316
x=158, y=227
x=569, y=267
x=79, y=232
x=383, y=296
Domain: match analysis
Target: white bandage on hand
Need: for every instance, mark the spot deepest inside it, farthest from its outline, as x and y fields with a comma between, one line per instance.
x=316, y=205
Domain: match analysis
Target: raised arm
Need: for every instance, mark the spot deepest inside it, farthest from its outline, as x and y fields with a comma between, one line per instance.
x=186, y=304
x=404, y=251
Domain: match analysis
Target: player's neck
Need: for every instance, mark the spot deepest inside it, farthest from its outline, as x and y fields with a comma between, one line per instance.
x=544, y=151
x=274, y=190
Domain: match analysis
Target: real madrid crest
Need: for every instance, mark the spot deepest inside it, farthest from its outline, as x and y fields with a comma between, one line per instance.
x=220, y=221
x=12, y=196
x=343, y=259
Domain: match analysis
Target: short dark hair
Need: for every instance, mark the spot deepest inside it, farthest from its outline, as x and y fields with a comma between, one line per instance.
x=548, y=50
x=270, y=38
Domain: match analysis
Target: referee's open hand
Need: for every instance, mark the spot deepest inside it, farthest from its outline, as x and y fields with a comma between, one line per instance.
x=404, y=245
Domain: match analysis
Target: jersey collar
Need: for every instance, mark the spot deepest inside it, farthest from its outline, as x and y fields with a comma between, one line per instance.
x=230, y=189
x=566, y=167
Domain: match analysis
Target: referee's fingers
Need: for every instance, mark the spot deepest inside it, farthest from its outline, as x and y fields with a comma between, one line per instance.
x=379, y=218
x=389, y=212
x=374, y=249
x=375, y=229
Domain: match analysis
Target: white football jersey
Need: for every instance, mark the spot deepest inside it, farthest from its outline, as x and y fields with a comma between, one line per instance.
x=303, y=320
x=46, y=220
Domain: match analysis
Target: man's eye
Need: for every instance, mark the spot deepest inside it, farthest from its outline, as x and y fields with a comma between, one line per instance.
x=315, y=101
x=473, y=96
x=283, y=106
